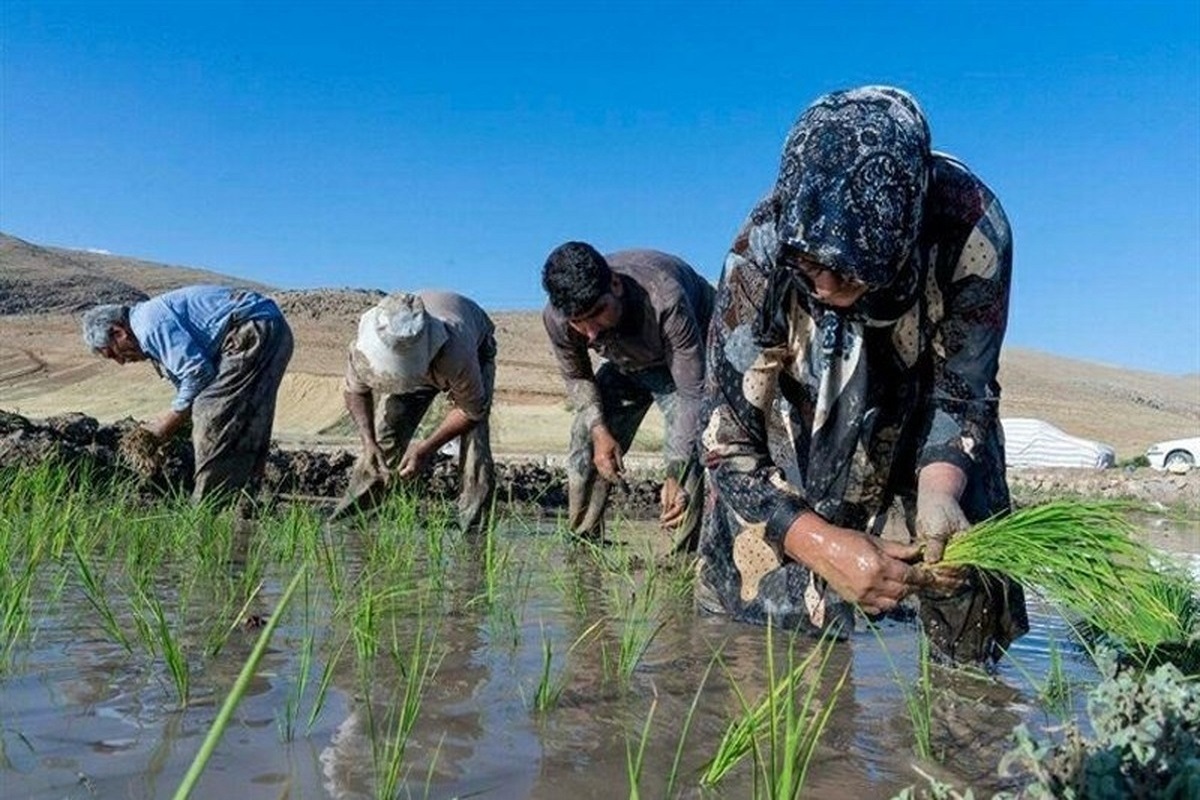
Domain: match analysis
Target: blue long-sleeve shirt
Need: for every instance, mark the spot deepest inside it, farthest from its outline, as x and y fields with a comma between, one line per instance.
x=182, y=330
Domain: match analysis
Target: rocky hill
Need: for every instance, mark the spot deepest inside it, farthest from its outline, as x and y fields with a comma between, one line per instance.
x=45, y=370
x=38, y=280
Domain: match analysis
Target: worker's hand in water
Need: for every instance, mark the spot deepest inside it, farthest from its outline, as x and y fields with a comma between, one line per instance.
x=416, y=460
x=674, y=504
x=375, y=461
x=606, y=454
x=939, y=516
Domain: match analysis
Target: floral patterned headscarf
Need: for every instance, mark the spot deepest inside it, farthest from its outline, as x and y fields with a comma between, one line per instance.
x=849, y=195
x=852, y=182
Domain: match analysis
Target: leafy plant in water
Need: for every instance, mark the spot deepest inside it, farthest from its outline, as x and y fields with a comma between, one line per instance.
x=919, y=702
x=16, y=584
x=327, y=675
x=673, y=775
x=638, y=623
x=295, y=695
x=97, y=597
x=1055, y=692
x=550, y=687
x=918, y=698
x=1145, y=741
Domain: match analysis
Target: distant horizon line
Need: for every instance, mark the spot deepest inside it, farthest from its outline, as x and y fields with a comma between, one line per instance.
x=533, y=308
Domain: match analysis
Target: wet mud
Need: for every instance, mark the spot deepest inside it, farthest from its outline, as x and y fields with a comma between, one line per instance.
x=81, y=441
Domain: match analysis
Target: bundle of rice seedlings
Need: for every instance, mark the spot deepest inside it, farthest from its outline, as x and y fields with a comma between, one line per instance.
x=141, y=451
x=1084, y=558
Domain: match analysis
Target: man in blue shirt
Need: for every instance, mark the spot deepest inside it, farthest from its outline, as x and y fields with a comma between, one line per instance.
x=225, y=350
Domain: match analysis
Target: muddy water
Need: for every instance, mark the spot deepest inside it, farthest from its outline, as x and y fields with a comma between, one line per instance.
x=81, y=718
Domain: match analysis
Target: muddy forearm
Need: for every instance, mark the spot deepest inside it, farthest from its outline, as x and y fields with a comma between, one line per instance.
x=165, y=426
x=362, y=412
x=455, y=424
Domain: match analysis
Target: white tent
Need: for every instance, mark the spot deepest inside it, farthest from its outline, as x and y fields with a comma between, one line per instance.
x=1037, y=443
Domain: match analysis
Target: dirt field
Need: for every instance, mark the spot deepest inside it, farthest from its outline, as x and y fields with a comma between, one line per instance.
x=45, y=370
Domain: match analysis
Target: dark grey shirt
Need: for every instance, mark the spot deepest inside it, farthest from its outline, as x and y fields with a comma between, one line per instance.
x=664, y=323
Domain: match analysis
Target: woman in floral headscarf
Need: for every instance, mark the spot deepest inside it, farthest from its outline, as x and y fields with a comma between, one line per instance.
x=852, y=383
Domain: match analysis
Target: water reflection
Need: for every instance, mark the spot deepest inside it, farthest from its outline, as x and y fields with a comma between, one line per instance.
x=79, y=704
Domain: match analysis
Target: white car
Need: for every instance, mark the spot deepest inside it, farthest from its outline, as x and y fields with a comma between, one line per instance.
x=1177, y=455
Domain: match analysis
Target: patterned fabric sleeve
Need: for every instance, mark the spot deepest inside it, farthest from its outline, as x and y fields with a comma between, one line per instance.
x=742, y=382
x=966, y=343
x=576, y=368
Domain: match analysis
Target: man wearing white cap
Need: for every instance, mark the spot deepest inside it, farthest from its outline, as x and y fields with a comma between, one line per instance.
x=409, y=348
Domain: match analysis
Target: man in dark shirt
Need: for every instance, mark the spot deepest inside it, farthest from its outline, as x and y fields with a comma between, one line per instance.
x=646, y=313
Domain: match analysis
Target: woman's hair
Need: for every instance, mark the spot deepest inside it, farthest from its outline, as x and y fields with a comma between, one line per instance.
x=575, y=276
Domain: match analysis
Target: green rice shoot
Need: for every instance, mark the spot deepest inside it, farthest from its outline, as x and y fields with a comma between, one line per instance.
x=1084, y=557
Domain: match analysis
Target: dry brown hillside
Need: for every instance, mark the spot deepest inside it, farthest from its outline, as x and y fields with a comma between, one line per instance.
x=37, y=279
x=45, y=370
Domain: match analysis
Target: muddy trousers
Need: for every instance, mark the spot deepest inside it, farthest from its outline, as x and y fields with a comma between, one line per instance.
x=402, y=413
x=232, y=417
x=625, y=397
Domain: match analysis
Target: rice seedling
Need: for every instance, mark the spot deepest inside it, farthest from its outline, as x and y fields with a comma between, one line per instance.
x=365, y=624
x=918, y=696
x=634, y=761
x=327, y=674
x=295, y=695
x=571, y=586
x=638, y=617
x=437, y=752
x=793, y=745
x=783, y=728
x=673, y=775
x=235, y=693
x=1084, y=558
x=494, y=562
x=1055, y=692
x=416, y=667
x=161, y=637
x=550, y=687
x=97, y=597
x=331, y=560
x=919, y=702
x=16, y=584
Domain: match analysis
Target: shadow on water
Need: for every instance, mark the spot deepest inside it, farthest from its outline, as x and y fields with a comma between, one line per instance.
x=84, y=717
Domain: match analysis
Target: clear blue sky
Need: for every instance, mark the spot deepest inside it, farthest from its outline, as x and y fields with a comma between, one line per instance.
x=404, y=145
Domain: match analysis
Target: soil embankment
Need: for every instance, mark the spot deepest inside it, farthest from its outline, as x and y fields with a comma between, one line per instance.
x=534, y=483
x=77, y=439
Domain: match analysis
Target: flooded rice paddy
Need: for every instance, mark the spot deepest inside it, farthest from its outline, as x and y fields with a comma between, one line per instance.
x=414, y=662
